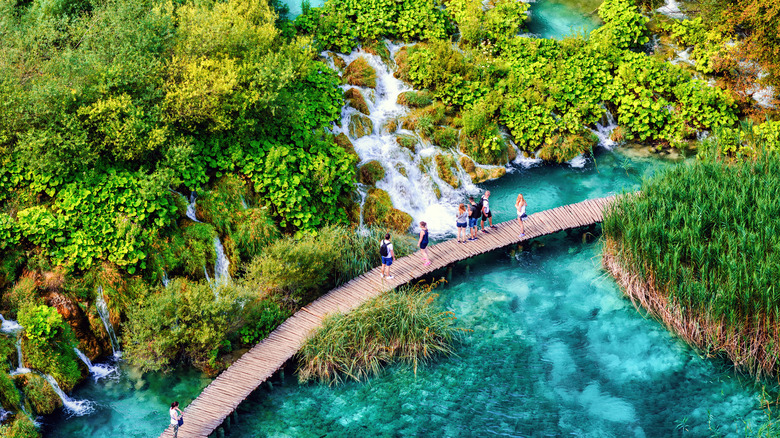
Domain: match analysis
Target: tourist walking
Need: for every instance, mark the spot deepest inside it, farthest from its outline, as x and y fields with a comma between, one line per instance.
x=177, y=418
x=475, y=212
x=521, y=216
x=388, y=256
x=423, y=242
x=462, y=221
x=487, y=215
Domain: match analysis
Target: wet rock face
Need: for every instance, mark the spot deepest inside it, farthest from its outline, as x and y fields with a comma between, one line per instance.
x=359, y=73
x=79, y=322
x=360, y=126
x=371, y=172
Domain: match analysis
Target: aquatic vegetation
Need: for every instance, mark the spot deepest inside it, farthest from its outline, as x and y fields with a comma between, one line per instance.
x=359, y=73
x=745, y=141
x=21, y=427
x=699, y=250
x=400, y=326
x=40, y=394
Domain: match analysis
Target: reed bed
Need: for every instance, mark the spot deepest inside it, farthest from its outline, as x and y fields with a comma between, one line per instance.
x=400, y=326
x=700, y=249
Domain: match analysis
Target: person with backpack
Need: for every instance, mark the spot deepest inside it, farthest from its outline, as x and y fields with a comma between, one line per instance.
x=487, y=215
x=475, y=212
x=388, y=256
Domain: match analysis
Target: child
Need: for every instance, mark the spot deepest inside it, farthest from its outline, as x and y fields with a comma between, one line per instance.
x=423, y=242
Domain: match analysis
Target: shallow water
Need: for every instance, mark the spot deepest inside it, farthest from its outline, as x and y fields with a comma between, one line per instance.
x=555, y=350
x=560, y=19
x=127, y=404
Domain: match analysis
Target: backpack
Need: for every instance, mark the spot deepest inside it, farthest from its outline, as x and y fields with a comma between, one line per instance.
x=383, y=249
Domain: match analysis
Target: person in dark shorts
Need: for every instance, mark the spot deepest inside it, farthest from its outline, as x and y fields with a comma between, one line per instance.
x=423, y=243
x=475, y=212
x=388, y=256
x=462, y=221
x=487, y=215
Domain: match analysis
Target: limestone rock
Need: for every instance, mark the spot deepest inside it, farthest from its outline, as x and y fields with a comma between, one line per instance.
x=355, y=99
x=378, y=210
x=360, y=125
x=78, y=321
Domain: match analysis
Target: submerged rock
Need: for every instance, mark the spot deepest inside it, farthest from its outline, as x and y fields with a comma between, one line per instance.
x=407, y=141
x=480, y=174
x=360, y=126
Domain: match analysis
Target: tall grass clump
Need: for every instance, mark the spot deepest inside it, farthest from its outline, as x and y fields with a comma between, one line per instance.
x=401, y=326
x=699, y=248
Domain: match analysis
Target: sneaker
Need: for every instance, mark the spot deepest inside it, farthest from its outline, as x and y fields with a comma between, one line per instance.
x=427, y=263
x=471, y=238
x=389, y=277
x=485, y=231
x=493, y=226
x=521, y=235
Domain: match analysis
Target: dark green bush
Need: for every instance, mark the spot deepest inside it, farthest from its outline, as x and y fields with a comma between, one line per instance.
x=49, y=344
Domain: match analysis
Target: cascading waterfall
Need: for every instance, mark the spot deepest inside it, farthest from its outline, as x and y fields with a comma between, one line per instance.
x=603, y=131
x=165, y=279
x=74, y=407
x=191, y=206
x=20, y=369
x=102, y=309
x=672, y=10
x=97, y=371
x=222, y=265
x=9, y=325
x=411, y=179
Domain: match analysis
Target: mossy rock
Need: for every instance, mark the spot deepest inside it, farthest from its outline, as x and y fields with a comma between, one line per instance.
x=511, y=152
x=391, y=126
x=371, y=172
x=338, y=61
x=407, y=141
x=444, y=164
x=355, y=98
x=343, y=141
x=360, y=126
x=40, y=394
x=437, y=190
x=379, y=48
x=378, y=210
x=563, y=148
x=479, y=174
x=359, y=73
x=446, y=137
x=401, y=169
x=424, y=120
x=415, y=99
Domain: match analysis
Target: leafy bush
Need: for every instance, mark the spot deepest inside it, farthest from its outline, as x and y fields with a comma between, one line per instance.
x=21, y=427
x=9, y=395
x=48, y=344
x=40, y=394
x=261, y=320
x=255, y=231
x=400, y=326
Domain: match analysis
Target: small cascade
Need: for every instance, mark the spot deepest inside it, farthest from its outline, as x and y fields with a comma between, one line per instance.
x=579, y=161
x=672, y=10
x=191, y=206
x=243, y=203
x=222, y=265
x=9, y=325
x=97, y=371
x=165, y=279
x=20, y=369
x=603, y=131
x=102, y=309
x=4, y=414
x=411, y=178
x=74, y=407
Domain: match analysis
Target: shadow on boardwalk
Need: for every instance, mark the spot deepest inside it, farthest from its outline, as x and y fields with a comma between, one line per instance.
x=218, y=400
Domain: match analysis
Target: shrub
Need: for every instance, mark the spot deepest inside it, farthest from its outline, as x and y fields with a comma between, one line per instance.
x=220, y=205
x=262, y=318
x=400, y=326
x=40, y=394
x=9, y=395
x=21, y=427
x=255, y=230
x=415, y=99
x=49, y=343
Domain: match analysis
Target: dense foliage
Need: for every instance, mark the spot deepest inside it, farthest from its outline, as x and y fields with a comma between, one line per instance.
x=400, y=326
x=706, y=238
x=49, y=344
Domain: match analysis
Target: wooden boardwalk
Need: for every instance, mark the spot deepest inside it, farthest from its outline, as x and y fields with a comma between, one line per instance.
x=218, y=400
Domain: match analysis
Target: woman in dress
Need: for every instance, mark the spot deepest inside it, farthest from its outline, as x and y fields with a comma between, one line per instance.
x=521, y=216
x=423, y=243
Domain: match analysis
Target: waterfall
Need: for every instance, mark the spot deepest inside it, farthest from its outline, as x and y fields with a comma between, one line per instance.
x=20, y=369
x=671, y=9
x=9, y=325
x=4, y=414
x=165, y=279
x=191, y=206
x=102, y=309
x=411, y=178
x=74, y=407
x=97, y=371
x=603, y=131
x=222, y=265
x=243, y=203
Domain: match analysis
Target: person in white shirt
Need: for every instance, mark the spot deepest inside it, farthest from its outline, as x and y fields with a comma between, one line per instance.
x=521, y=216
x=176, y=415
x=486, y=214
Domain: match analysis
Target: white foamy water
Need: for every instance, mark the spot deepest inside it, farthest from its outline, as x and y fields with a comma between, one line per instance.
x=604, y=129
x=191, y=206
x=20, y=369
x=671, y=9
x=222, y=264
x=415, y=192
x=102, y=309
x=73, y=407
x=9, y=325
x=98, y=371
x=579, y=161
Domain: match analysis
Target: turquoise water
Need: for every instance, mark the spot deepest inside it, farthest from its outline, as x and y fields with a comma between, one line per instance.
x=559, y=19
x=129, y=405
x=555, y=350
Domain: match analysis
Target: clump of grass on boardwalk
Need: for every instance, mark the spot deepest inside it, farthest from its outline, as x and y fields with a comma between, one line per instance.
x=398, y=326
x=700, y=249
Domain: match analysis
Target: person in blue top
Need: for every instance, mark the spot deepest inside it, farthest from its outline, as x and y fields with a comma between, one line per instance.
x=423, y=242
